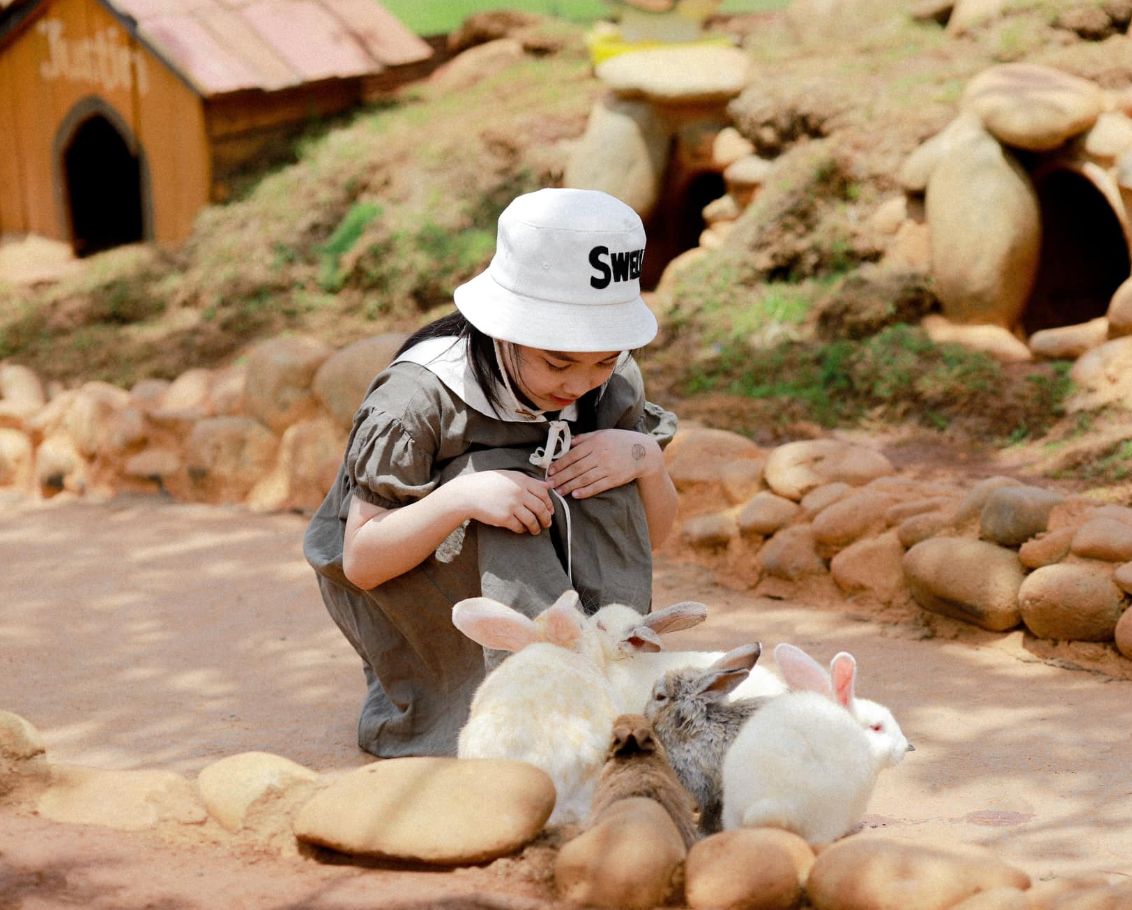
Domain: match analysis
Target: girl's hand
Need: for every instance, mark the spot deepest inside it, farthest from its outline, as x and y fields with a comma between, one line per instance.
x=508, y=499
x=605, y=459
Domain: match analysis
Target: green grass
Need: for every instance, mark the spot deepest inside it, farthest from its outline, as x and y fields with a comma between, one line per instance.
x=898, y=374
x=436, y=17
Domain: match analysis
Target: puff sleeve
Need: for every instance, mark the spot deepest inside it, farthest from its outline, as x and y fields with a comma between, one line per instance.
x=623, y=405
x=392, y=448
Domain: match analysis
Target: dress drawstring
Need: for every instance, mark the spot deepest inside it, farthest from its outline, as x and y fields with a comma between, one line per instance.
x=557, y=445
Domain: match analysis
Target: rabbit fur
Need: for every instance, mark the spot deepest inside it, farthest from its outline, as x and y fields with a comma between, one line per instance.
x=808, y=760
x=638, y=658
x=887, y=741
x=550, y=702
x=696, y=723
x=637, y=765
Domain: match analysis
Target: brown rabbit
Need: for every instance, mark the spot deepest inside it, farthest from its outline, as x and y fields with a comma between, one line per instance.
x=637, y=765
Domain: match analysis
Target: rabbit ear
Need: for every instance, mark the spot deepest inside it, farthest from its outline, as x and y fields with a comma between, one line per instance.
x=742, y=658
x=679, y=616
x=801, y=671
x=489, y=623
x=642, y=638
x=718, y=682
x=563, y=621
x=844, y=671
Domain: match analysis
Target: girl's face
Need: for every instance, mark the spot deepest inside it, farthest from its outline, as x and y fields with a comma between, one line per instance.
x=551, y=380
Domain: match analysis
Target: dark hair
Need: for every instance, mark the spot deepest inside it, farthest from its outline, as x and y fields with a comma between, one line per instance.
x=485, y=365
x=481, y=348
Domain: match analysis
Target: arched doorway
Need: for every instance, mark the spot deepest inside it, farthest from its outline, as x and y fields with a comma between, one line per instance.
x=102, y=179
x=1084, y=256
x=677, y=224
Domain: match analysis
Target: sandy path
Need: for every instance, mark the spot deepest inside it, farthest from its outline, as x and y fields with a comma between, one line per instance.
x=143, y=634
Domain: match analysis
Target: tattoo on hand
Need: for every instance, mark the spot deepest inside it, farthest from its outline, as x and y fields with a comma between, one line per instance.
x=638, y=452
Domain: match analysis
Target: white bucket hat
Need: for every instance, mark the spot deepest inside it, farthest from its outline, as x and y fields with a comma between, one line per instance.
x=566, y=275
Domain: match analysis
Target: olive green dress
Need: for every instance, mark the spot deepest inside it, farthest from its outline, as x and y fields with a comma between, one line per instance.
x=414, y=431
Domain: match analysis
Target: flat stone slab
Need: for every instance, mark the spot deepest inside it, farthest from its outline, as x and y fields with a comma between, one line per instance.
x=445, y=811
x=678, y=74
x=124, y=800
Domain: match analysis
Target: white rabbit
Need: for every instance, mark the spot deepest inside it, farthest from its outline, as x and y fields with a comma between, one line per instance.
x=638, y=660
x=886, y=740
x=549, y=703
x=808, y=760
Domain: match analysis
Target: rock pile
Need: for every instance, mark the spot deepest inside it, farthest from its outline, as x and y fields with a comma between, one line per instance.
x=1022, y=137
x=1019, y=126
x=999, y=554
x=453, y=812
x=270, y=433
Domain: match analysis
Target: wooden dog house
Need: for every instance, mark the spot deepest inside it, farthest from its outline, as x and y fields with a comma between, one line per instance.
x=120, y=119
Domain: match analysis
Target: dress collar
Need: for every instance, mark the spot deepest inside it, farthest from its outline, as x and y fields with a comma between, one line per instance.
x=447, y=359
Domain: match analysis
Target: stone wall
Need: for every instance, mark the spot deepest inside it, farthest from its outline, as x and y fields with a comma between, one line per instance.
x=270, y=434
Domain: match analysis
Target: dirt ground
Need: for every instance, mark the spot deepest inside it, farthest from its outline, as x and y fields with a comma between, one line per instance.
x=143, y=634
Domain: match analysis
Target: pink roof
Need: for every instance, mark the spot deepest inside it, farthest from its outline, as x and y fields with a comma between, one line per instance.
x=227, y=45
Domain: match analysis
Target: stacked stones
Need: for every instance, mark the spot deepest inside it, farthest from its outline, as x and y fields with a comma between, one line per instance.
x=998, y=554
x=450, y=812
x=662, y=124
x=268, y=433
x=972, y=173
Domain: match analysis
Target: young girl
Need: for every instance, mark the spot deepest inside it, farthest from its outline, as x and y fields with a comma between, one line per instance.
x=507, y=451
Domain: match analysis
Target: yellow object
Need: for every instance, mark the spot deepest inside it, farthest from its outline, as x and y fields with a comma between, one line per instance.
x=609, y=43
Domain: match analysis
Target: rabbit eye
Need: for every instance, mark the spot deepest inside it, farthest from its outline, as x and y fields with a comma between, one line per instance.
x=877, y=728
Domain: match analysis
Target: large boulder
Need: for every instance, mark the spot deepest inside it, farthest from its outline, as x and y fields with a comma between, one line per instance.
x=21, y=394
x=342, y=380
x=879, y=873
x=1103, y=376
x=796, y=468
x=89, y=415
x=747, y=869
x=972, y=580
x=1071, y=602
x=693, y=73
x=623, y=151
x=277, y=386
x=984, y=275
x=307, y=463
x=1012, y=515
x=240, y=790
x=226, y=456
x=432, y=810
x=873, y=566
x=697, y=458
x=627, y=860
x=1033, y=107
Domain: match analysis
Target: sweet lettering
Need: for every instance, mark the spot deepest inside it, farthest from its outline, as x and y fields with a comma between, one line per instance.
x=611, y=267
x=103, y=60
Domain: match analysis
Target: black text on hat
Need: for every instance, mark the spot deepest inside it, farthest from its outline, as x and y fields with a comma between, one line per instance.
x=620, y=266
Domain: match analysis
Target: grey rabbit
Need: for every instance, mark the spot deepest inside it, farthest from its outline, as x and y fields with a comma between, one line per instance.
x=696, y=723
x=637, y=765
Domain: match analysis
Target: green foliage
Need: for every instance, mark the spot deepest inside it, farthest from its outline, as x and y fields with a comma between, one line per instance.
x=340, y=242
x=1115, y=464
x=422, y=266
x=435, y=17
x=412, y=261
x=898, y=374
